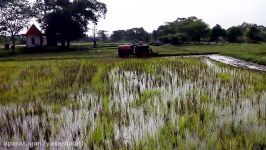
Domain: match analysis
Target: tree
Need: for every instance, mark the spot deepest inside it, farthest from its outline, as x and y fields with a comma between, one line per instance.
x=41, y=10
x=102, y=35
x=196, y=30
x=216, y=32
x=118, y=35
x=254, y=34
x=62, y=27
x=188, y=29
x=263, y=32
x=14, y=16
x=2, y=4
x=235, y=34
x=75, y=14
x=130, y=35
x=137, y=34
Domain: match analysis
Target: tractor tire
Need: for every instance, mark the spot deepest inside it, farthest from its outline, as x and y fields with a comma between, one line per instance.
x=123, y=54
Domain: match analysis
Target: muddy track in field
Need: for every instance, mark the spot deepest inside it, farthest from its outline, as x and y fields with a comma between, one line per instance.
x=236, y=62
x=226, y=60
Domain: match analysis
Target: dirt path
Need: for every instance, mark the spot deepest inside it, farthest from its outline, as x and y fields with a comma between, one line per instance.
x=236, y=62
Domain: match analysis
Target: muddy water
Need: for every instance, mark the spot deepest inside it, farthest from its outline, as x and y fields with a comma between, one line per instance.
x=128, y=86
x=236, y=62
x=30, y=123
x=245, y=109
x=176, y=89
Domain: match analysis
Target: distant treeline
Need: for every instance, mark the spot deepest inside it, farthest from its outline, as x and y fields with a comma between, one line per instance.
x=192, y=29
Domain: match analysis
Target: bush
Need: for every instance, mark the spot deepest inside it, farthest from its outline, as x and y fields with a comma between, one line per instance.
x=164, y=39
x=235, y=34
x=174, y=39
x=254, y=35
x=177, y=39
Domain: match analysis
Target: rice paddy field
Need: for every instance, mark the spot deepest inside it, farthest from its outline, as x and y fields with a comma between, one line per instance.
x=249, y=52
x=111, y=103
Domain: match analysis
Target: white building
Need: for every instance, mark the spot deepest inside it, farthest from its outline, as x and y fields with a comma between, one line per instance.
x=35, y=38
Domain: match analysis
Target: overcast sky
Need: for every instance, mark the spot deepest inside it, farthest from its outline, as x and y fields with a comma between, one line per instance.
x=125, y=14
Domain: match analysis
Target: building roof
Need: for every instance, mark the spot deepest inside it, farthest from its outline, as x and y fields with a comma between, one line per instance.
x=33, y=31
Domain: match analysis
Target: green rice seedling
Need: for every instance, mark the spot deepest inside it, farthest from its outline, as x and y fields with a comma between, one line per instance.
x=106, y=107
x=224, y=77
x=146, y=96
x=98, y=136
x=57, y=108
x=156, y=103
x=205, y=98
x=99, y=80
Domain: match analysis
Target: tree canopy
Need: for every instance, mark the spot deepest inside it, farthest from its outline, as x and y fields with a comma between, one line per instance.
x=217, y=32
x=67, y=20
x=102, y=35
x=62, y=27
x=192, y=29
x=182, y=29
x=14, y=16
x=130, y=35
x=254, y=34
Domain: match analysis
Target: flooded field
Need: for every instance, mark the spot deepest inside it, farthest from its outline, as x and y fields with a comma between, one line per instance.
x=170, y=103
x=236, y=62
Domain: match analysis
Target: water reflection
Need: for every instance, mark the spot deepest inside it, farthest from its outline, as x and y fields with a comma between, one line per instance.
x=178, y=87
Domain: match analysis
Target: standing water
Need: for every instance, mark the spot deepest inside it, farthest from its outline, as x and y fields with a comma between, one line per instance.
x=154, y=103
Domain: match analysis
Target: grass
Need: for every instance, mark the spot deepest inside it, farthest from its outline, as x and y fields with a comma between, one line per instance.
x=224, y=77
x=113, y=103
x=145, y=97
x=78, y=50
x=249, y=52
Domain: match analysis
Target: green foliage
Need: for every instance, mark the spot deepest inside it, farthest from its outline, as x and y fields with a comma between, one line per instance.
x=205, y=98
x=130, y=35
x=217, y=32
x=235, y=34
x=97, y=136
x=118, y=35
x=67, y=18
x=174, y=39
x=254, y=34
x=188, y=29
x=193, y=29
x=250, y=52
x=185, y=96
x=103, y=36
x=99, y=80
x=224, y=77
x=63, y=24
x=14, y=16
x=145, y=97
x=57, y=108
x=103, y=131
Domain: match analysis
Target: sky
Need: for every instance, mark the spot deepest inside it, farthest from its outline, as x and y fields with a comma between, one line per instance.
x=126, y=14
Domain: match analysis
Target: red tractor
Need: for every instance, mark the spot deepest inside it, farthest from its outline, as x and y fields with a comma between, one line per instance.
x=140, y=50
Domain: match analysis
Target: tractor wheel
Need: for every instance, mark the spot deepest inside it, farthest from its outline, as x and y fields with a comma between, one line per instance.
x=120, y=54
x=123, y=54
x=126, y=54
